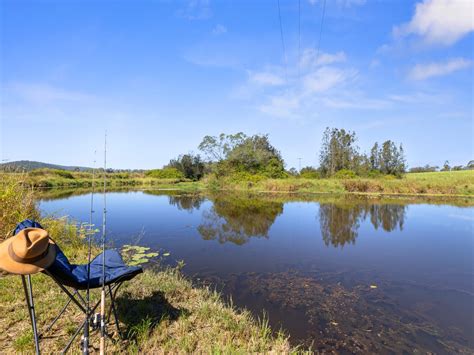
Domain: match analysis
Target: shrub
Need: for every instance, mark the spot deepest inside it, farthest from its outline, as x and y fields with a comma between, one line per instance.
x=374, y=174
x=61, y=173
x=311, y=175
x=165, y=173
x=309, y=172
x=17, y=203
x=345, y=174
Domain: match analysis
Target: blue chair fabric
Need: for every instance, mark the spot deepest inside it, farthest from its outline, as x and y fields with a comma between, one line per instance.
x=75, y=276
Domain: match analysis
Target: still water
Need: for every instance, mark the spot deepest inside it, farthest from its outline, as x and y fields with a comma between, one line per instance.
x=349, y=274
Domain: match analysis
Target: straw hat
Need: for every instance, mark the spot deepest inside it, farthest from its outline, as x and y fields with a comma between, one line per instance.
x=28, y=252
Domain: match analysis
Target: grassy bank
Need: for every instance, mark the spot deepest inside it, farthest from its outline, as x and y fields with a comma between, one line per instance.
x=452, y=183
x=160, y=310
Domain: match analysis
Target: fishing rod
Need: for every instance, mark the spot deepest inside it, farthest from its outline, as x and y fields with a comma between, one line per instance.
x=104, y=229
x=85, y=338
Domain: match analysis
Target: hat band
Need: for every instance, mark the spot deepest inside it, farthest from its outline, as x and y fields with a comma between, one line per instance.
x=16, y=258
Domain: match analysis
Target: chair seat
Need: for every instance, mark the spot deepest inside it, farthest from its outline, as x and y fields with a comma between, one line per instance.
x=76, y=275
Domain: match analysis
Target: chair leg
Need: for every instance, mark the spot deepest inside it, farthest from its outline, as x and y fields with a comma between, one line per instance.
x=31, y=309
x=112, y=299
x=48, y=328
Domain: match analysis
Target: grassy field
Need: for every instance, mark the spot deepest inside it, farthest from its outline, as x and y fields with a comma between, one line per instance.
x=452, y=183
x=161, y=311
x=455, y=183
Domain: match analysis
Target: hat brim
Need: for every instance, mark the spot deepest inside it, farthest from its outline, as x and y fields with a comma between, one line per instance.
x=9, y=265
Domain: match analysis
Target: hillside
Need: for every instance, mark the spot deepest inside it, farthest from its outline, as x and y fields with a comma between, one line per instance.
x=27, y=165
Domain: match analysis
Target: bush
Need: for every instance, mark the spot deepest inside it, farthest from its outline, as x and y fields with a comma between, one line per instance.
x=374, y=174
x=17, y=203
x=242, y=176
x=165, y=173
x=311, y=175
x=61, y=173
x=345, y=174
x=309, y=172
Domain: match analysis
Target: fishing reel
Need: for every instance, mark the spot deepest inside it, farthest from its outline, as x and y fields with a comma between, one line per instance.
x=95, y=321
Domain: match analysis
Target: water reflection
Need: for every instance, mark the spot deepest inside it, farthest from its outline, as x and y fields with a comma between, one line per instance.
x=340, y=222
x=188, y=202
x=237, y=218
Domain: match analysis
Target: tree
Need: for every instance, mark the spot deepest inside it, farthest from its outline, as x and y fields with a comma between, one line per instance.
x=392, y=159
x=217, y=148
x=446, y=166
x=256, y=154
x=338, y=151
x=423, y=169
x=374, y=157
x=470, y=165
x=190, y=165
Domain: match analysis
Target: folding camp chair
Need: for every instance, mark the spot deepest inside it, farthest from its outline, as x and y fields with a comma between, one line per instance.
x=75, y=277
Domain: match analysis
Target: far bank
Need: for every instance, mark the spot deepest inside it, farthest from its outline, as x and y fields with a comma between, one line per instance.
x=449, y=183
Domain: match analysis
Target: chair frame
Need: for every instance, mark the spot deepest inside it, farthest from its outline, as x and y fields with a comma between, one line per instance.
x=74, y=297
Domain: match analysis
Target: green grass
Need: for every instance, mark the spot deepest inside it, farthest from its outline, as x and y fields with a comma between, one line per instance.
x=452, y=183
x=160, y=311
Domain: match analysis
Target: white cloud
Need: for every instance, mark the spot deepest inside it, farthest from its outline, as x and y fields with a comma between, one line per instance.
x=425, y=71
x=282, y=105
x=302, y=89
x=441, y=22
x=266, y=78
x=219, y=30
x=43, y=94
x=311, y=58
x=326, y=78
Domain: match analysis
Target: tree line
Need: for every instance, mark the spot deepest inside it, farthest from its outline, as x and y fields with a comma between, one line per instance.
x=244, y=156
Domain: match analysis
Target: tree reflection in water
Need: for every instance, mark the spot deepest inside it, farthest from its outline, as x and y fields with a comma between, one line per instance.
x=236, y=219
x=340, y=222
x=186, y=202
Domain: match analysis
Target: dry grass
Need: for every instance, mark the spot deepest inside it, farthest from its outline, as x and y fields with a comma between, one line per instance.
x=453, y=183
x=17, y=203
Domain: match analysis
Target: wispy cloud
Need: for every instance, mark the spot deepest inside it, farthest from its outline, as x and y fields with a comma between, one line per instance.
x=43, y=94
x=311, y=58
x=441, y=22
x=219, y=30
x=264, y=78
x=306, y=87
x=429, y=70
x=326, y=78
x=196, y=10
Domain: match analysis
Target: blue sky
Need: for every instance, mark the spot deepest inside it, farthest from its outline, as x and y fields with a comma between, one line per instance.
x=159, y=75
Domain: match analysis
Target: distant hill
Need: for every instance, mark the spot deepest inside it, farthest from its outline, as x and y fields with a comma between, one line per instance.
x=27, y=165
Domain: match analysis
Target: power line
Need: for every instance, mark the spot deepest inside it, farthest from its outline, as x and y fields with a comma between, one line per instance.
x=282, y=39
x=321, y=30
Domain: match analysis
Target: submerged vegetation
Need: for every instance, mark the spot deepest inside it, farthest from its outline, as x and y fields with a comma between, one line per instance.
x=160, y=310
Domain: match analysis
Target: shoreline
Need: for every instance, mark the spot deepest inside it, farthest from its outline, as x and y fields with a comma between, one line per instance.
x=458, y=184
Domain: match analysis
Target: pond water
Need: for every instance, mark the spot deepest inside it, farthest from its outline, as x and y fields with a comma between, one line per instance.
x=349, y=274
